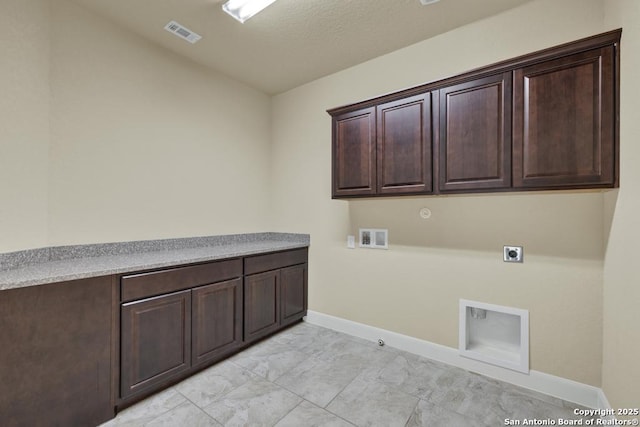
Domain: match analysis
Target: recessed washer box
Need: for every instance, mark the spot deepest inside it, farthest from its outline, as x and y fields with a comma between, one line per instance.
x=494, y=334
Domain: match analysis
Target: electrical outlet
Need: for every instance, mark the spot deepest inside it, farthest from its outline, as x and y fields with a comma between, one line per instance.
x=351, y=242
x=375, y=238
x=513, y=254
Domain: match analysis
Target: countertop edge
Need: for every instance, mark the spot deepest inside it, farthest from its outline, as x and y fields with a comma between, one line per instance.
x=54, y=271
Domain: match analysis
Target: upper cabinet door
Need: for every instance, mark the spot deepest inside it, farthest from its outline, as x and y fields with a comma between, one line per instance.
x=354, y=153
x=475, y=135
x=404, y=146
x=564, y=122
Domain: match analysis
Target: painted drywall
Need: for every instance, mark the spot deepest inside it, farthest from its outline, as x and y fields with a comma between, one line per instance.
x=414, y=287
x=621, y=366
x=146, y=144
x=24, y=123
x=116, y=175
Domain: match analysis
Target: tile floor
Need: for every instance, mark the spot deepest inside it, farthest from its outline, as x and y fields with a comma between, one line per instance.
x=311, y=376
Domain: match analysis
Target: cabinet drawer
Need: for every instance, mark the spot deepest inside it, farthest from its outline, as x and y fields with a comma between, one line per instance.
x=161, y=282
x=260, y=263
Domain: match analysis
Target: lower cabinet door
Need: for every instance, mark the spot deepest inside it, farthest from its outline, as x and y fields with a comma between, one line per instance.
x=155, y=341
x=261, y=304
x=217, y=320
x=293, y=294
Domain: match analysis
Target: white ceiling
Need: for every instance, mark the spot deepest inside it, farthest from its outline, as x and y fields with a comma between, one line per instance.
x=293, y=42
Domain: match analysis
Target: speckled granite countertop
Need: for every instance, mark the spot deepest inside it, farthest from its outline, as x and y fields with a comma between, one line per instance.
x=56, y=264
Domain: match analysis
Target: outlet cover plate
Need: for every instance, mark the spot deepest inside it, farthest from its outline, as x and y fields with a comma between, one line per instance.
x=513, y=254
x=375, y=238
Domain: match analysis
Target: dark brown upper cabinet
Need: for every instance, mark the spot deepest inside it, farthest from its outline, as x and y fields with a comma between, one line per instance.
x=404, y=146
x=564, y=122
x=354, y=154
x=383, y=150
x=546, y=120
x=475, y=135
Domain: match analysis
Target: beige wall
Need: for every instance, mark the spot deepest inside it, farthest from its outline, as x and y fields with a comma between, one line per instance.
x=106, y=137
x=414, y=287
x=621, y=365
x=146, y=144
x=24, y=123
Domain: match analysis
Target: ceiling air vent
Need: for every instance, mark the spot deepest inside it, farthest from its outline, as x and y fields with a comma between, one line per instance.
x=182, y=32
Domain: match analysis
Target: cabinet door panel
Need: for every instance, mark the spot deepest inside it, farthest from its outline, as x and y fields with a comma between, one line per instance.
x=261, y=304
x=404, y=146
x=564, y=121
x=55, y=357
x=217, y=320
x=475, y=134
x=293, y=291
x=156, y=341
x=354, y=156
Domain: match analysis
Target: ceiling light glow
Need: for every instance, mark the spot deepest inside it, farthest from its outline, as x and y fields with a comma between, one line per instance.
x=245, y=9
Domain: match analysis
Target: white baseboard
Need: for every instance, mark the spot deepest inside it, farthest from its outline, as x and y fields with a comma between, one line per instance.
x=565, y=389
x=603, y=403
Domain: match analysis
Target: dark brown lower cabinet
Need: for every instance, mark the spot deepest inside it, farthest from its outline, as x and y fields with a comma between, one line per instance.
x=55, y=357
x=277, y=297
x=293, y=291
x=177, y=320
x=164, y=336
x=217, y=320
x=262, y=304
x=155, y=341
x=167, y=336
x=72, y=353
